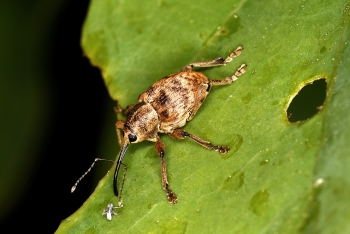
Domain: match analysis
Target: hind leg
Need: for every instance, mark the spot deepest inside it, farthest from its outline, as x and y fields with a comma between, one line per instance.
x=228, y=80
x=216, y=62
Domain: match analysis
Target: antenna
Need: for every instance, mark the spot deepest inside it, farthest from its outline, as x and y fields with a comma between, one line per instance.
x=90, y=168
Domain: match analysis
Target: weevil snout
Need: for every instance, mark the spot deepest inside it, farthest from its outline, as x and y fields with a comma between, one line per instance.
x=119, y=163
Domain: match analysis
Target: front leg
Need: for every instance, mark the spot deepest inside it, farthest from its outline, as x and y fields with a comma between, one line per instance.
x=160, y=148
x=120, y=123
x=118, y=109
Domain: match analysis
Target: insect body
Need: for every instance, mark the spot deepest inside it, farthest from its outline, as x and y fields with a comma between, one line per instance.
x=166, y=106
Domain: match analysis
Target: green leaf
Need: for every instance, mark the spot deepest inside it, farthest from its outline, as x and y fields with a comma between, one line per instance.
x=278, y=177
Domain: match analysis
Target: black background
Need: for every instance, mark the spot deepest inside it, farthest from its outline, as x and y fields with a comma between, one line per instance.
x=78, y=103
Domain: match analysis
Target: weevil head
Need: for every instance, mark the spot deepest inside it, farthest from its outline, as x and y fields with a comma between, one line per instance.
x=142, y=123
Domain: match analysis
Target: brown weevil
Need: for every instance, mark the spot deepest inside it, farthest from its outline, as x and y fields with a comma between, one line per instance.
x=165, y=107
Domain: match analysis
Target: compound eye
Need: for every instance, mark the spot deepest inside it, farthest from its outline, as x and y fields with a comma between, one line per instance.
x=132, y=137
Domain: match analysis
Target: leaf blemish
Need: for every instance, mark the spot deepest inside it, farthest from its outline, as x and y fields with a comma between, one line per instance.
x=234, y=181
x=259, y=202
x=234, y=144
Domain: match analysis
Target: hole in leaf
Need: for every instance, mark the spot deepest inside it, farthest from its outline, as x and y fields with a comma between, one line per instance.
x=308, y=101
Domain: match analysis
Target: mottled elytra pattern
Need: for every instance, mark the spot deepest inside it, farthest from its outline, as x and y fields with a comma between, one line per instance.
x=166, y=106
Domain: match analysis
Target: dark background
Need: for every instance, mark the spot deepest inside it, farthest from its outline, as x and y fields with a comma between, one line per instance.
x=54, y=106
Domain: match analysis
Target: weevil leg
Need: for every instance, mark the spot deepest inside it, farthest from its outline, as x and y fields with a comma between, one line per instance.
x=181, y=134
x=213, y=63
x=228, y=80
x=120, y=124
x=120, y=201
x=118, y=109
x=160, y=148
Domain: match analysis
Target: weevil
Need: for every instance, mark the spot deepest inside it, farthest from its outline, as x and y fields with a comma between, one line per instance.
x=165, y=107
